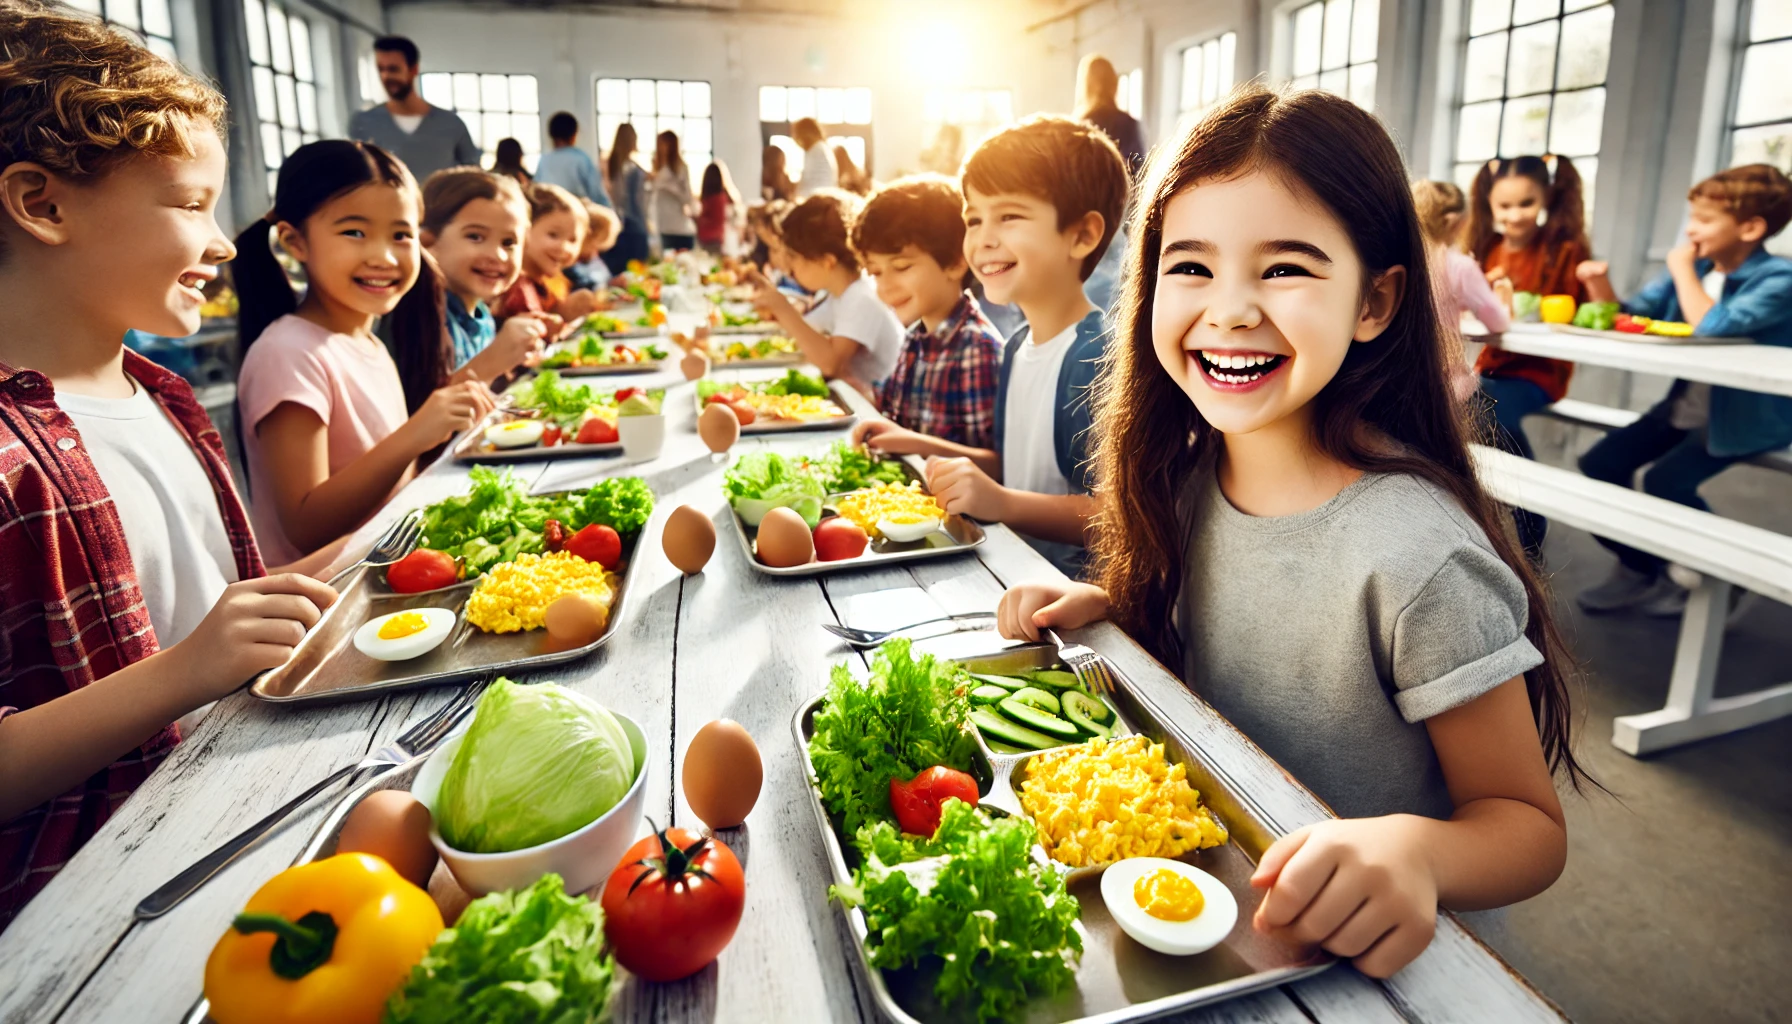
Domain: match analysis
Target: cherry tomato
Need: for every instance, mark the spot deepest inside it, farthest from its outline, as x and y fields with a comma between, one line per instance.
x=423, y=569
x=917, y=801
x=673, y=904
x=552, y=435
x=597, y=430
x=596, y=543
x=624, y=394
x=838, y=537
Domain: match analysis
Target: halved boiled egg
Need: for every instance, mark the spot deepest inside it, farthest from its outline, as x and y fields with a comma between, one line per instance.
x=404, y=635
x=905, y=533
x=1169, y=906
x=514, y=434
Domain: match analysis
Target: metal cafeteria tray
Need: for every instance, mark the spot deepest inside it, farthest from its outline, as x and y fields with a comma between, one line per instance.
x=327, y=667
x=955, y=536
x=762, y=426
x=471, y=446
x=644, y=366
x=1117, y=979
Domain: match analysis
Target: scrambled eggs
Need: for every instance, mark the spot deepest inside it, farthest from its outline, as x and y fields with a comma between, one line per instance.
x=515, y=595
x=792, y=407
x=887, y=502
x=1107, y=800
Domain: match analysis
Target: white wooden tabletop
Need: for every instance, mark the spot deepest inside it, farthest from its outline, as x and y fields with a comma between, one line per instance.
x=1749, y=367
x=730, y=642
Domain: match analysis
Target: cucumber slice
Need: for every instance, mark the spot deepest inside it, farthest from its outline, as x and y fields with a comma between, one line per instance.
x=1044, y=700
x=1086, y=713
x=1008, y=683
x=1007, y=748
x=1033, y=718
x=995, y=727
x=1057, y=679
x=987, y=694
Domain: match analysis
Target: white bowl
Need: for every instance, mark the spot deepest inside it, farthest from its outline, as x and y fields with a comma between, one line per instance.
x=642, y=437
x=583, y=858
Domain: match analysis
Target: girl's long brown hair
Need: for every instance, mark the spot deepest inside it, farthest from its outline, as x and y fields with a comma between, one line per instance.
x=1150, y=440
x=1562, y=201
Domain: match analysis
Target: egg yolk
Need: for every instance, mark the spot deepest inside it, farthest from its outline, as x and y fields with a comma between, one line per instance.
x=1168, y=895
x=402, y=625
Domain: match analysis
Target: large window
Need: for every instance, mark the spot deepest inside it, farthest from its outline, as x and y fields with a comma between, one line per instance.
x=1761, y=125
x=1207, y=73
x=974, y=112
x=843, y=113
x=285, y=80
x=149, y=20
x=1533, y=82
x=1334, y=48
x=1132, y=93
x=654, y=106
x=494, y=107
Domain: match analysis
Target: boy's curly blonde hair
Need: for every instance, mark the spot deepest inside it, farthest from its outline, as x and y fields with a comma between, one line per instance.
x=78, y=96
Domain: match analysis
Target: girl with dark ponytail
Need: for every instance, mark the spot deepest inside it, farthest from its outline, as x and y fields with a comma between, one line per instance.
x=320, y=404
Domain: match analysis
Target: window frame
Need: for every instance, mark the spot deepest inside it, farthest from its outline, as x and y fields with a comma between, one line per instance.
x=645, y=141
x=274, y=117
x=1222, y=87
x=101, y=9
x=532, y=149
x=837, y=132
x=1743, y=43
x=1289, y=14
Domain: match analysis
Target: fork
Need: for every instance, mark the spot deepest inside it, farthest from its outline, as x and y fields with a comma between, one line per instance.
x=1090, y=668
x=420, y=739
x=394, y=544
x=871, y=638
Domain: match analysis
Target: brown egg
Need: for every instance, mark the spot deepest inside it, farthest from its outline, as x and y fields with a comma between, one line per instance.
x=575, y=619
x=694, y=364
x=689, y=539
x=718, y=427
x=784, y=539
x=722, y=773
x=392, y=825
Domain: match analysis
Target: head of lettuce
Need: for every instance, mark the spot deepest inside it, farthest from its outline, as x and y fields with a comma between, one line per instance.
x=537, y=763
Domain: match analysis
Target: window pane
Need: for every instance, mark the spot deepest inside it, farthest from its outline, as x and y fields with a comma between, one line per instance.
x=1001, y=106
x=1771, y=144
x=1190, y=96
x=1337, y=34
x=669, y=98
x=301, y=50
x=1307, y=82
x=1589, y=174
x=475, y=124
x=1489, y=16
x=802, y=103
x=1365, y=29
x=308, y=107
x=1534, y=10
x=1769, y=19
x=523, y=97
x=1586, y=48
x=697, y=135
x=271, y=154
x=855, y=146
x=1576, y=124
x=612, y=96
x=1362, y=85
x=606, y=128
x=1307, y=29
x=1478, y=138
x=1464, y=175
x=1766, y=91
x=466, y=92
x=1484, y=68
x=278, y=40
x=290, y=138
x=496, y=128
x=1335, y=81
x=90, y=6
x=1533, y=59
x=830, y=106
x=255, y=24
x=156, y=20
x=772, y=102
x=1524, y=129
x=858, y=105
x=164, y=47
x=793, y=155
x=289, y=101
x=1228, y=55
x=526, y=128
x=273, y=177
x=438, y=89
x=266, y=107
x=494, y=92
x=641, y=94
x=124, y=12
x=1580, y=5
x=696, y=99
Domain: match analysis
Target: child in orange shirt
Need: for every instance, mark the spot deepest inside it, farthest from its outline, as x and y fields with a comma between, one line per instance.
x=557, y=229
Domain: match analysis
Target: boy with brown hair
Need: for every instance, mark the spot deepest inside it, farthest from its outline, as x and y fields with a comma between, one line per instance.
x=1042, y=201
x=1723, y=281
x=911, y=237
x=131, y=590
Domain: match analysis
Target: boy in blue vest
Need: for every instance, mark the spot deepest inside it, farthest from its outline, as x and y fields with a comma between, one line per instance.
x=1723, y=281
x=1042, y=201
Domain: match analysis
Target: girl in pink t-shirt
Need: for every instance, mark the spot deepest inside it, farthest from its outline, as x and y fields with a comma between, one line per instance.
x=319, y=402
x=1456, y=277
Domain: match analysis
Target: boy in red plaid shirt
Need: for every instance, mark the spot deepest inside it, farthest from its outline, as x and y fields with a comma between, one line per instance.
x=131, y=591
x=911, y=237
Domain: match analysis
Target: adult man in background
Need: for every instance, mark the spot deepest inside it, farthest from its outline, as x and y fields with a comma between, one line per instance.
x=568, y=166
x=427, y=138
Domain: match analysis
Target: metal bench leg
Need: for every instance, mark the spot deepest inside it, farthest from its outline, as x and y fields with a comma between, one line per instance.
x=1691, y=712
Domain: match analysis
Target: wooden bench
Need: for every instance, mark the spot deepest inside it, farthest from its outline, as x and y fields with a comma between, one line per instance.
x=1724, y=552
x=1604, y=417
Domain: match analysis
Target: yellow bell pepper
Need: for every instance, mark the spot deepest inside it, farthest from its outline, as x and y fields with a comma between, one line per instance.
x=1557, y=309
x=322, y=943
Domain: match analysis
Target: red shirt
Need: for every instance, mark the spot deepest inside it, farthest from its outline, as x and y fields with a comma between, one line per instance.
x=1544, y=272
x=712, y=221
x=70, y=608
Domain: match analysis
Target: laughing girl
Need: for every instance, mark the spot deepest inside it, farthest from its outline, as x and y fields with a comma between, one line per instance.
x=1291, y=515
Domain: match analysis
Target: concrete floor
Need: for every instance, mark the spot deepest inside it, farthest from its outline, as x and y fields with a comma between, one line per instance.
x=1676, y=905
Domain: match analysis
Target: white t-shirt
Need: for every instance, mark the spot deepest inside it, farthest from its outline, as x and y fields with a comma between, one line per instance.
x=818, y=170
x=166, y=503
x=1029, y=452
x=408, y=123
x=857, y=314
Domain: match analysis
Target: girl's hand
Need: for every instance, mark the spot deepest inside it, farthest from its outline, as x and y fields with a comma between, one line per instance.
x=253, y=627
x=1026, y=609
x=1361, y=888
x=1591, y=270
x=963, y=489
x=450, y=410
x=517, y=341
x=885, y=436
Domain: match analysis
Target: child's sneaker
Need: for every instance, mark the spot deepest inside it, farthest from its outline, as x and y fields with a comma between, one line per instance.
x=1626, y=588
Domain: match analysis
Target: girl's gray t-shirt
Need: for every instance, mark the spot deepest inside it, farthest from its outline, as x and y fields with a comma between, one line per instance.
x=1329, y=636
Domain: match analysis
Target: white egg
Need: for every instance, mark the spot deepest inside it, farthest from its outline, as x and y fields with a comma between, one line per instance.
x=514, y=434
x=904, y=533
x=437, y=624
x=1198, y=934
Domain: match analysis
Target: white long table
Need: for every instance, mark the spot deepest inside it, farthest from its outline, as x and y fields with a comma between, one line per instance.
x=1764, y=368
x=728, y=642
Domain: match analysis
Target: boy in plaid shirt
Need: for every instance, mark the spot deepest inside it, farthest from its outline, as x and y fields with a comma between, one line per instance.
x=131, y=590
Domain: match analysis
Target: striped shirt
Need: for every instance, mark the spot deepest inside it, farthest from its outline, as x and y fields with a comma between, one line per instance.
x=71, y=611
x=944, y=383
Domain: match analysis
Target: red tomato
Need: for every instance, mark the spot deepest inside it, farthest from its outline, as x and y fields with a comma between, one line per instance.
x=917, y=801
x=838, y=537
x=717, y=397
x=597, y=431
x=624, y=394
x=423, y=569
x=673, y=904
x=743, y=412
x=552, y=435
x=596, y=543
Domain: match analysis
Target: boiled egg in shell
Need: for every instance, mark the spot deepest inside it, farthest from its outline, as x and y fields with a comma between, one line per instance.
x=404, y=635
x=514, y=434
x=905, y=533
x=1169, y=906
